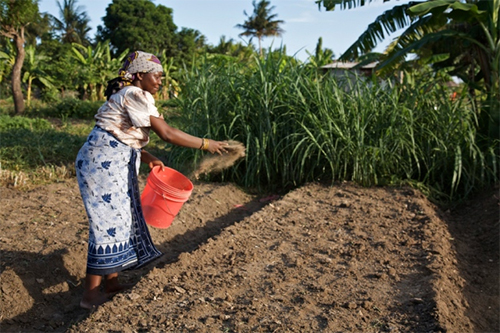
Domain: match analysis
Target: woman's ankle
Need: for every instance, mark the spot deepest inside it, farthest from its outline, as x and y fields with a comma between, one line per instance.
x=117, y=287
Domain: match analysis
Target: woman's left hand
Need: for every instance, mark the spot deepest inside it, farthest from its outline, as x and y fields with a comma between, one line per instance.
x=151, y=160
x=156, y=162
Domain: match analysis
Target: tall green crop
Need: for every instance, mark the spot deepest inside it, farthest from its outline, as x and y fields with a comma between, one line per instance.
x=300, y=126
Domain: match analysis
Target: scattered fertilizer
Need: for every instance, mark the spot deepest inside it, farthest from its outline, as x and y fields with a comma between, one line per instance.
x=216, y=163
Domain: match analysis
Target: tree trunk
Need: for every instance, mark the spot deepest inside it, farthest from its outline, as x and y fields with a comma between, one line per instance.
x=91, y=92
x=17, y=93
x=100, y=92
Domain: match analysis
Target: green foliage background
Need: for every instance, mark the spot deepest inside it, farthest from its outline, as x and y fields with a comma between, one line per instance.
x=298, y=126
x=156, y=32
x=301, y=126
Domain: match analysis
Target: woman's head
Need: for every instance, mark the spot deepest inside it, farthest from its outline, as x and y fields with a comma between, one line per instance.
x=139, y=62
x=150, y=82
x=141, y=69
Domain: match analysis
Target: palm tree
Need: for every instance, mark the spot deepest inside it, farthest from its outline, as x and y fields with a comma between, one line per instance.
x=232, y=49
x=74, y=23
x=39, y=30
x=321, y=57
x=261, y=23
x=470, y=30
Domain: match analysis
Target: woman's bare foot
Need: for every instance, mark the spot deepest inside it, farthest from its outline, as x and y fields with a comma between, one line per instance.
x=91, y=302
x=112, y=286
x=116, y=288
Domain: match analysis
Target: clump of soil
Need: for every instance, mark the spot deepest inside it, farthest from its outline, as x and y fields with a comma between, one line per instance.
x=216, y=163
x=320, y=258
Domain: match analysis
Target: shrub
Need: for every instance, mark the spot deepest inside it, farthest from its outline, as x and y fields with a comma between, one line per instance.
x=67, y=108
x=18, y=122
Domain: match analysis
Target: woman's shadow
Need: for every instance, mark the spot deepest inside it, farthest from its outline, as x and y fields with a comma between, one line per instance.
x=43, y=283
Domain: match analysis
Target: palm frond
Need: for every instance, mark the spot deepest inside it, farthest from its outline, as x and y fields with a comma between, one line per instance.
x=388, y=22
x=428, y=38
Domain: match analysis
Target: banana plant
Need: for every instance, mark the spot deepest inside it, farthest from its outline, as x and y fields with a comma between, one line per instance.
x=481, y=43
x=33, y=69
x=86, y=57
x=170, y=85
x=7, y=60
x=97, y=67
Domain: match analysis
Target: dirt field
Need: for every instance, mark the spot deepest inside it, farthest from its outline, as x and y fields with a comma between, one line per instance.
x=318, y=259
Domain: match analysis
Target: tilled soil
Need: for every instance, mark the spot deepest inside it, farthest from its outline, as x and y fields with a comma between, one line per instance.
x=318, y=259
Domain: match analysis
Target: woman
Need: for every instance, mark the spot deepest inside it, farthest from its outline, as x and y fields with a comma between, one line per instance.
x=107, y=169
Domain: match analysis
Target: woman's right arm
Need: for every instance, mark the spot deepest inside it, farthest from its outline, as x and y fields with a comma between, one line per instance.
x=177, y=137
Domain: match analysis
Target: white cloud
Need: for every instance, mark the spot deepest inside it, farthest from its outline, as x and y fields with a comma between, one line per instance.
x=303, y=17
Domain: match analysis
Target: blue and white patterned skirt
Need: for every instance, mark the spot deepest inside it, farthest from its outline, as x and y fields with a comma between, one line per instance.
x=119, y=238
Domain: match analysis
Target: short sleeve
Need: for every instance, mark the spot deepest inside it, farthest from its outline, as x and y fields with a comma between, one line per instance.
x=140, y=105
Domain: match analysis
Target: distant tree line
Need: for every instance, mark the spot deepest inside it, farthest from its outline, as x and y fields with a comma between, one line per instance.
x=50, y=56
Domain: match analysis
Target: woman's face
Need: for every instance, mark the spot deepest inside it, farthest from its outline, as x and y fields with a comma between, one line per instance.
x=150, y=81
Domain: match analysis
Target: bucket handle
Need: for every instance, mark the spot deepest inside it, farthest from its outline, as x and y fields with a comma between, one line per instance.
x=164, y=198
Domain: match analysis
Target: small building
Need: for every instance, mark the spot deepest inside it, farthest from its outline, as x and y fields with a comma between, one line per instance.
x=341, y=69
x=346, y=73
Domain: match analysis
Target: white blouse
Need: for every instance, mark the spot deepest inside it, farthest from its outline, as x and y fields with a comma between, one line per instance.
x=126, y=116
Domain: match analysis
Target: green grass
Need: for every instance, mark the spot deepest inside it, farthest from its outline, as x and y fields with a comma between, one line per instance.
x=38, y=151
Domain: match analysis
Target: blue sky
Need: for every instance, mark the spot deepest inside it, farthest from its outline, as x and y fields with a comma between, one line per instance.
x=304, y=22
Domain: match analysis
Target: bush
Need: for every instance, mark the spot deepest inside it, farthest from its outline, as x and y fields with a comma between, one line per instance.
x=18, y=122
x=7, y=106
x=28, y=143
x=67, y=108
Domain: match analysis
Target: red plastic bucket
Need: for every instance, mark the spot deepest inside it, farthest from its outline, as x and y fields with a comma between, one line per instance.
x=163, y=196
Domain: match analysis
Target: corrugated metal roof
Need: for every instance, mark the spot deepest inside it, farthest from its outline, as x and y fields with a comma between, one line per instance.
x=348, y=65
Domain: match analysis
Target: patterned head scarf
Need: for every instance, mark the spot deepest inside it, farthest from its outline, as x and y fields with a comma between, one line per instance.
x=139, y=62
x=136, y=62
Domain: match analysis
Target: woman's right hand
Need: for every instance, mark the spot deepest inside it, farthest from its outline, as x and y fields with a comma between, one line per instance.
x=217, y=146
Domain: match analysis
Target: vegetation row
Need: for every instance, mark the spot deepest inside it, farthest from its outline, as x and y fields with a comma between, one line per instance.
x=403, y=124
x=298, y=126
